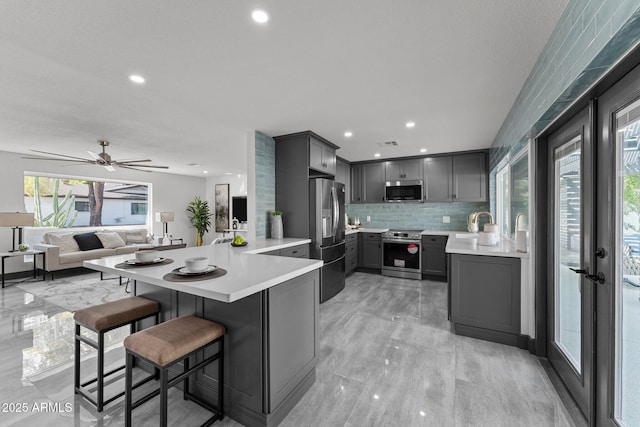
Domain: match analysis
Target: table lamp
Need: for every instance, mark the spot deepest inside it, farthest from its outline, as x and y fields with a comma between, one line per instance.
x=164, y=218
x=16, y=220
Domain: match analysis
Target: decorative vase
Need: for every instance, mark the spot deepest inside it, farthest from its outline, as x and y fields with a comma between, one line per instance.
x=198, y=239
x=277, y=231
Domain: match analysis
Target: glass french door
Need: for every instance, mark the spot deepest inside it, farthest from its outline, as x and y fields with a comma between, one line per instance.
x=570, y=292
x=618, y=231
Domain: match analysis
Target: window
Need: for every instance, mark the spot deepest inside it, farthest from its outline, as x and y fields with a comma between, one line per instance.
x=58, y=201
x=82, y=206
x=502, y=200
x=138, y=208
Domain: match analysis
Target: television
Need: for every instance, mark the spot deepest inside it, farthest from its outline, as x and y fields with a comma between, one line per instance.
x=239, y=208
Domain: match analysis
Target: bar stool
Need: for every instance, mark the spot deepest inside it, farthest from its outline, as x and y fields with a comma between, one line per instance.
x=102, y=319
x=167, y=344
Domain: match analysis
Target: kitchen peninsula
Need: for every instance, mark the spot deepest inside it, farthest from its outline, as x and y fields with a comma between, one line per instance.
x=269, y=305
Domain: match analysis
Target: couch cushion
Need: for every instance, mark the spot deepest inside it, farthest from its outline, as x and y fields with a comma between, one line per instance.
x=79, y=256
x=64, y=241
x=110, y=239
x=88, y=241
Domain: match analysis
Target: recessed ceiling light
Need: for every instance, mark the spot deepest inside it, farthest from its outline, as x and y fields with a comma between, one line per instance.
x=376, y=155
x=205, y=171
x=410, y=124
x=228, y=173
x=423, y=150
x=348, y=134
x=136, y=78
x=260, y=16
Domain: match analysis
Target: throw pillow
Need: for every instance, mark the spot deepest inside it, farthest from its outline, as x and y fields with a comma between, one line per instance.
x=88, y=241
x=64, y=241
x=110, y=240
x=137, y=237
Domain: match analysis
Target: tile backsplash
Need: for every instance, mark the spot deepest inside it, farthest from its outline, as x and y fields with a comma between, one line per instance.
x=415, y=216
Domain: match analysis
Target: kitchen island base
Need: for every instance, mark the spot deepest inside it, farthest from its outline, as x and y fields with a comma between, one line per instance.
x=271, y=347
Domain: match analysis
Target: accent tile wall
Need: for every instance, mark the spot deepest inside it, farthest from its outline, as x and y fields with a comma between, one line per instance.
x=591, y=35
x=265, y=183
x=415, y=216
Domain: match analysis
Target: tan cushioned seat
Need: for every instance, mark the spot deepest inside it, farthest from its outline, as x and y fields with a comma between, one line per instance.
x=79, y=256
x=171, y=340
x=126, y=310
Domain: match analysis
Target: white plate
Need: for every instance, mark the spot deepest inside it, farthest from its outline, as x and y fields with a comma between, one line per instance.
x=136, y=262
x=185, y=272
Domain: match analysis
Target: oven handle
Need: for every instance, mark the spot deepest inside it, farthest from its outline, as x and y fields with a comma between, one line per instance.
x=415, y=242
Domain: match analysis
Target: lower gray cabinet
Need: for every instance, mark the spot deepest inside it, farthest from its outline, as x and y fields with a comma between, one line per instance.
x=370, y=250
x=485, y=297
x=351, y=252
x=434, y=258
x=299, y=251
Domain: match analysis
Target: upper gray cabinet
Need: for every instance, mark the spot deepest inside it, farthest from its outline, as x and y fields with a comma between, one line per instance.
x=367, y=182
x=322, y=156
x=456, y=178
x=343, y=175
x=403, y=170
x=470, y=177
x=437, y=179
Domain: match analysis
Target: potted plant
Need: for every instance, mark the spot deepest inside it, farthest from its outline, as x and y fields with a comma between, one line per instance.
x=200, y=217
x=277, y=231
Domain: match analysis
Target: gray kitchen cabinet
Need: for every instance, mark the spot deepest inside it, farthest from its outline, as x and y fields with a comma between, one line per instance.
x=322, y=156
x=403, y=170
x=356, y=195
x=298, y=251
x=343, y=175
x=485, y=297
x=456, y=178
x=373, y=182
x=438, y=177
x=434, y=258
x=470, y=177
x=351, y=252
x=370, y=250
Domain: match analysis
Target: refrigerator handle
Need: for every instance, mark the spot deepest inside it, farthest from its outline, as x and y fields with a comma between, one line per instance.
x=335, y=209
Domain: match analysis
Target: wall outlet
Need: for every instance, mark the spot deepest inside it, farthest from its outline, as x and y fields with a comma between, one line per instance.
x=446, y=219
x=368, y=218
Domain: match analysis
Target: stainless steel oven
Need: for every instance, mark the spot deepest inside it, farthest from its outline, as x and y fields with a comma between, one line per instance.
x=401, y=254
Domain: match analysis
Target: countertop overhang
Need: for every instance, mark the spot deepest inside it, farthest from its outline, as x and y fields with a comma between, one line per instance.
x=248, y=272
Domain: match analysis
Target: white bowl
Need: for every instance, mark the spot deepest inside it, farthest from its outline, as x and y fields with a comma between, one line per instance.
x=487, y=238
x=196, y=264
x=146, y=256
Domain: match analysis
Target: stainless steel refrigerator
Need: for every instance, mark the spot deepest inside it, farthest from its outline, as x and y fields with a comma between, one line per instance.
x=326, y=230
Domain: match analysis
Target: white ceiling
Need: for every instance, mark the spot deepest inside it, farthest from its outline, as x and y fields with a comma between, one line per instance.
x=454, y=67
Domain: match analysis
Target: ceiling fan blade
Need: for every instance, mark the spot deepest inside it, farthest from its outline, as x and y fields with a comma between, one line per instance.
x=59, y=160
x=109, y=168
x=94, y=155
x=135, y=169
x=145, y=166
x=124, y=162
x=61, y=155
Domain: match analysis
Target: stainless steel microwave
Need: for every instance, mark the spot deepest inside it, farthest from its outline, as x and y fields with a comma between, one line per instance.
x=403, y=191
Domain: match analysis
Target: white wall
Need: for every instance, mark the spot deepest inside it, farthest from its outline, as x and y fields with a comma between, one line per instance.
x=169, y=192
x=237, y=187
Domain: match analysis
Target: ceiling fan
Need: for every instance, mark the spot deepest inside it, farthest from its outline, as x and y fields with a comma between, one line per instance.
x=101, y=159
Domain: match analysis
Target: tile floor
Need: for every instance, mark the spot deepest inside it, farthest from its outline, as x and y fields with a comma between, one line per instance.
x=387, y=358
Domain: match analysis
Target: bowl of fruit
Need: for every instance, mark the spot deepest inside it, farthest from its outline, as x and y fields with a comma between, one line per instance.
x=238, y=241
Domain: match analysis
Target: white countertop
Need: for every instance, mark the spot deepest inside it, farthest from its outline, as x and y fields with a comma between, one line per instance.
x=467, y=243
x=248, y=272
x=366, y=230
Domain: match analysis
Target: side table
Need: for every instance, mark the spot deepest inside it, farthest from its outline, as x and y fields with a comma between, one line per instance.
x=35, y=253
x=169, y=246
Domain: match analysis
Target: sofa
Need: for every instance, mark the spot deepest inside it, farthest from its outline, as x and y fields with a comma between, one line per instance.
x=63, y=250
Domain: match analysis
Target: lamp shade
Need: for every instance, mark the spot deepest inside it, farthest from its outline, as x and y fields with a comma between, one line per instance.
x=15, y=219
x=164, y=216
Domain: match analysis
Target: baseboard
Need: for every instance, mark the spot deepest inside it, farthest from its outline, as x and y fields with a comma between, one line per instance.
x=525, y=342
x=486, y=334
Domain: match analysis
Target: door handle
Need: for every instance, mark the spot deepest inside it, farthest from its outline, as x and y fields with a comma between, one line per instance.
x=600, y=253
x=596, y=278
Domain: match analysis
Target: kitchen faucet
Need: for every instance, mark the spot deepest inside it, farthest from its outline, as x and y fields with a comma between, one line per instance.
x=475, y=218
